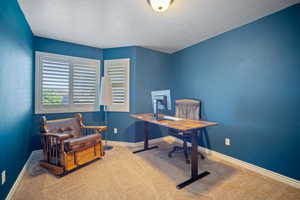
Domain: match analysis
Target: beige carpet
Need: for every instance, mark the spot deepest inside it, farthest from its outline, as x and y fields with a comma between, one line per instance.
x=151, y=175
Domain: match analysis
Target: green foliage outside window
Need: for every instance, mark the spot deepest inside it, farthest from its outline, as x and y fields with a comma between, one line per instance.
x=51, y=97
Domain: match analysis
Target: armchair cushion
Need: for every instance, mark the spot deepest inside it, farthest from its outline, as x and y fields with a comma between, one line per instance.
x=76, y=144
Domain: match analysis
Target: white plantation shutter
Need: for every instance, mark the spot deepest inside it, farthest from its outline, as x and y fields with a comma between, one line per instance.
x=66, y=84
x=118, y=72
x=85, y=82
x=55, y=81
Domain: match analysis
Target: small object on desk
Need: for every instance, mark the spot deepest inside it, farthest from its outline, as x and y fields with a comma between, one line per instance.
x=171, y=118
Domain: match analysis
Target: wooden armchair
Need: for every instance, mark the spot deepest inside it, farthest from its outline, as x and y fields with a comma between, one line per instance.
x=68, y=144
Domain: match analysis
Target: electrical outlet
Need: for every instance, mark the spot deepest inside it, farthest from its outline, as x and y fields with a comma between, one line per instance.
x=227, y=141
x=3, y=177
x=115, y=130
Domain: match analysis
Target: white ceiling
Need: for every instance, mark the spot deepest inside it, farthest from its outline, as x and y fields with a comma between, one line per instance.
x=116, y=23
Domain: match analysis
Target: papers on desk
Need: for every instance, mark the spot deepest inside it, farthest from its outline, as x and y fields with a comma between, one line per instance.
x=171, y=118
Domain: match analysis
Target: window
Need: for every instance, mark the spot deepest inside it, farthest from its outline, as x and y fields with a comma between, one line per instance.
x=66, y=84
x=118, y=71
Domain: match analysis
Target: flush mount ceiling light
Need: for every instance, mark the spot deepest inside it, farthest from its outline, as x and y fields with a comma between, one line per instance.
x=160, y=5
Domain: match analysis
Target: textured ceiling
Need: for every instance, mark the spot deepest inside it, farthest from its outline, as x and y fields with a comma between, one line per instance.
x=116, y=23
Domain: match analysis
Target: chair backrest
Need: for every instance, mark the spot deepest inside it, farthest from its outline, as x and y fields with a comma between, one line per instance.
x=67, y=126
x=188, y=108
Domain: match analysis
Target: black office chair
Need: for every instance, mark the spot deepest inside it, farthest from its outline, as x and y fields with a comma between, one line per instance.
x=189, y=109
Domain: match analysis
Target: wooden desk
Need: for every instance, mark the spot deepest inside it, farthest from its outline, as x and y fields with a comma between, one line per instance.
x=184, y=125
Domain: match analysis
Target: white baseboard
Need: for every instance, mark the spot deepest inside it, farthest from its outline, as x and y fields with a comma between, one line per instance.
x=278, y=177
x=284, y=179
x=18, y=180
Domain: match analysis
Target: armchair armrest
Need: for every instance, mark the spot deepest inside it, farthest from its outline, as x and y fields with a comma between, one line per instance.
x=60, y=136
x=98, y=128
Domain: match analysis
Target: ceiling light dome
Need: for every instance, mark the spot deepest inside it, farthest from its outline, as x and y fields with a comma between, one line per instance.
x=160, y=5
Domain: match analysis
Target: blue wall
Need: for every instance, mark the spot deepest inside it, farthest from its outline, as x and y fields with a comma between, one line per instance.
x=69, y=49
x=121, y=120
x=153, y=72
x=66, y=48
x=16, y=76
x=148, y=71
x=248, y=80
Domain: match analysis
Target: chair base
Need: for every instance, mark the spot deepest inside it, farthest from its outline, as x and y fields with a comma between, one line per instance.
x=54, y=169
x=185, y=152
x=59, y=171
x=192, y=180
x=73, y=160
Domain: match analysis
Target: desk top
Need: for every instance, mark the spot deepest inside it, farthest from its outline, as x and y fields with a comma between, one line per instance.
x=181, y=125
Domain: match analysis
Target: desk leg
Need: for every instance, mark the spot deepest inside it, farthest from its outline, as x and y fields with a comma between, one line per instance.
x=194, y=166
x=146, y=140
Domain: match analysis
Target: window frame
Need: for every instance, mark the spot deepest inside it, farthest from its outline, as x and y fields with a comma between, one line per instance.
x=70, y=107
x=126, y=106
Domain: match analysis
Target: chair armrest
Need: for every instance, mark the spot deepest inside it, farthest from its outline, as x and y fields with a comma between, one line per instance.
x=99, y=128
x=60, y=136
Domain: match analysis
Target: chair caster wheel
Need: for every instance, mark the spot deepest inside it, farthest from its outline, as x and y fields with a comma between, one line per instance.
x=170, y=155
